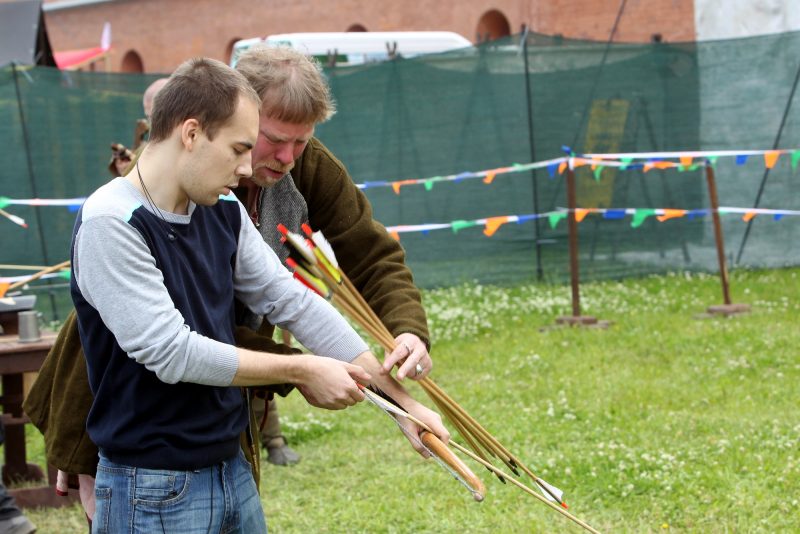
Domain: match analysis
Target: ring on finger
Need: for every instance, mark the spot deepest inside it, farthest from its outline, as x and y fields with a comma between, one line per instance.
x=418, y=370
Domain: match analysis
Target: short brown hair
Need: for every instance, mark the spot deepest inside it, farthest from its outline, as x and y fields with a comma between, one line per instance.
x=291, y=86
x=200, y=88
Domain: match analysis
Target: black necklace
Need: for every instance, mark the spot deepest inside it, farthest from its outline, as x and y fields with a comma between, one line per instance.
x=171, y=232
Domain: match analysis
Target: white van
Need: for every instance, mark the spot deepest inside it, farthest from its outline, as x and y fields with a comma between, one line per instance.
x=356, y=48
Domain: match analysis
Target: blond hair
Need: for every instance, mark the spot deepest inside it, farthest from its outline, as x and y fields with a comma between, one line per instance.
x=203, y=89
x=291, y=86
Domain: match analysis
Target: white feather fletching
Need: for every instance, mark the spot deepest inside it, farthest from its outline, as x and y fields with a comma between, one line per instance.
x=325, y=247
x=552, y=489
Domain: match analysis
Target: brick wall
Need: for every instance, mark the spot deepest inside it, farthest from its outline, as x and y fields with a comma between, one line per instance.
x=166, y=32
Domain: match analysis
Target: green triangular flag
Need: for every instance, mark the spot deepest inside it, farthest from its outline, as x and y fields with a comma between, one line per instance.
x=639, y=217
x=795, y=159
x=597, y=172
x=428, y=185
x=625, y=163
x=555, y=217
x=4, y=201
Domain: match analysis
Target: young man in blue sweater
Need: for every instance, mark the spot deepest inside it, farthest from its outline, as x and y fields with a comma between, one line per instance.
x=158, y=257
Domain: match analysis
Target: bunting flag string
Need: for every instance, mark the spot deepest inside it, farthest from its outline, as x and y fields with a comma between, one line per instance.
x=68, y=202
x=65, y=274
x=638, y=217
x=488, y=175
x=72, y=203
x=768, y=154
x=646, y=161
x=683, y=160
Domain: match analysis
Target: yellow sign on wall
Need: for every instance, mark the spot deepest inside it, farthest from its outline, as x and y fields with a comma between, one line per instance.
x=604, y=135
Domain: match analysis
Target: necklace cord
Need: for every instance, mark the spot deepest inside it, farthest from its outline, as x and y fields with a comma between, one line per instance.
x=153, y=206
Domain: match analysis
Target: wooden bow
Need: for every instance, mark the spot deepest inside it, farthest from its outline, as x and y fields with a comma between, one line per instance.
x=428, y=441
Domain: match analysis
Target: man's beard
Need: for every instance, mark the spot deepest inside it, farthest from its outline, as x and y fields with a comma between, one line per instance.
x=273, y=165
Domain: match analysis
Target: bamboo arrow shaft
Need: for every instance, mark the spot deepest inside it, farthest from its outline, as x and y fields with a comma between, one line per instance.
x=23, y=267
x=480, y=433
x=62, y=265
x=525, y=488
x=493, y=444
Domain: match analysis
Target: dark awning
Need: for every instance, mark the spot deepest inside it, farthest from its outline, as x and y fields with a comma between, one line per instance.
x=23, y=36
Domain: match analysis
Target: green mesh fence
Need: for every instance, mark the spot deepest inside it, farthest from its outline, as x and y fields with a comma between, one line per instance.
x=472, y=110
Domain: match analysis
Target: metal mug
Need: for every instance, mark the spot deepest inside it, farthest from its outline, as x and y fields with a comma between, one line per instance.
x=29, y=326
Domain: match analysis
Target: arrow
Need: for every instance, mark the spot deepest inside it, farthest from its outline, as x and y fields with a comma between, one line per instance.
x=350, y=301
x=62, y=265
x=13, y=218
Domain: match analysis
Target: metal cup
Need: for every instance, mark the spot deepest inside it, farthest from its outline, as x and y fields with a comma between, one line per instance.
x=29, y=326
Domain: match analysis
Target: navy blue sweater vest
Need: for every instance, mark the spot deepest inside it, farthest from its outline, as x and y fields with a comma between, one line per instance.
x=136, y=419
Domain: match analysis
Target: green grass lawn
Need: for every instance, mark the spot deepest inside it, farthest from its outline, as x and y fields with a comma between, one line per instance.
x=664, y=422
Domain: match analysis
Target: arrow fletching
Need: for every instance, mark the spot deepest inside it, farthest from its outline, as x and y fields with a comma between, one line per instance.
x=308, y=279
x=298, y=243
x=551, y=492
x=325, y=247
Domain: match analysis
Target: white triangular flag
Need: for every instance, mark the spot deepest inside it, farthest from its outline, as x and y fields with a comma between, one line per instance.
x=105, y=38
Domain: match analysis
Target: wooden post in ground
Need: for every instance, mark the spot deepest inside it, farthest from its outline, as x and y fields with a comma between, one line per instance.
x=576, y=318
x=727, y=308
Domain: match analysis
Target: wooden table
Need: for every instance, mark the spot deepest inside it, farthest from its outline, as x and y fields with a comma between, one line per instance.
x=16, y=359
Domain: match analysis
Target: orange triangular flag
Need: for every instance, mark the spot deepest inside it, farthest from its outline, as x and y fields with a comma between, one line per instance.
x=493, y=223
x=562, y=167
x=664, y=164
x=771, y=157
x=648, y=166
x=749, y=216
x=670, y=214
x=686, y=161
x=397, y=185
x=580, y=214
x=4, y=288
x=579, y=162
x=489, y=177
x=395, y=235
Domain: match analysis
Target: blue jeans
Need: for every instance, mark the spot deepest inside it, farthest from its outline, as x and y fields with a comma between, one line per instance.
x=222, y=498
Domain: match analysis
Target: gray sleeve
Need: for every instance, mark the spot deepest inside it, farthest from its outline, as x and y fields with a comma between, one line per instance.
x=268, y=288
x=117, y=275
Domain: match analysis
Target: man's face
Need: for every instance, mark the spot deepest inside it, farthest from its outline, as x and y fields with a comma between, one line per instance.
x=214, y=167
x=279, y=144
